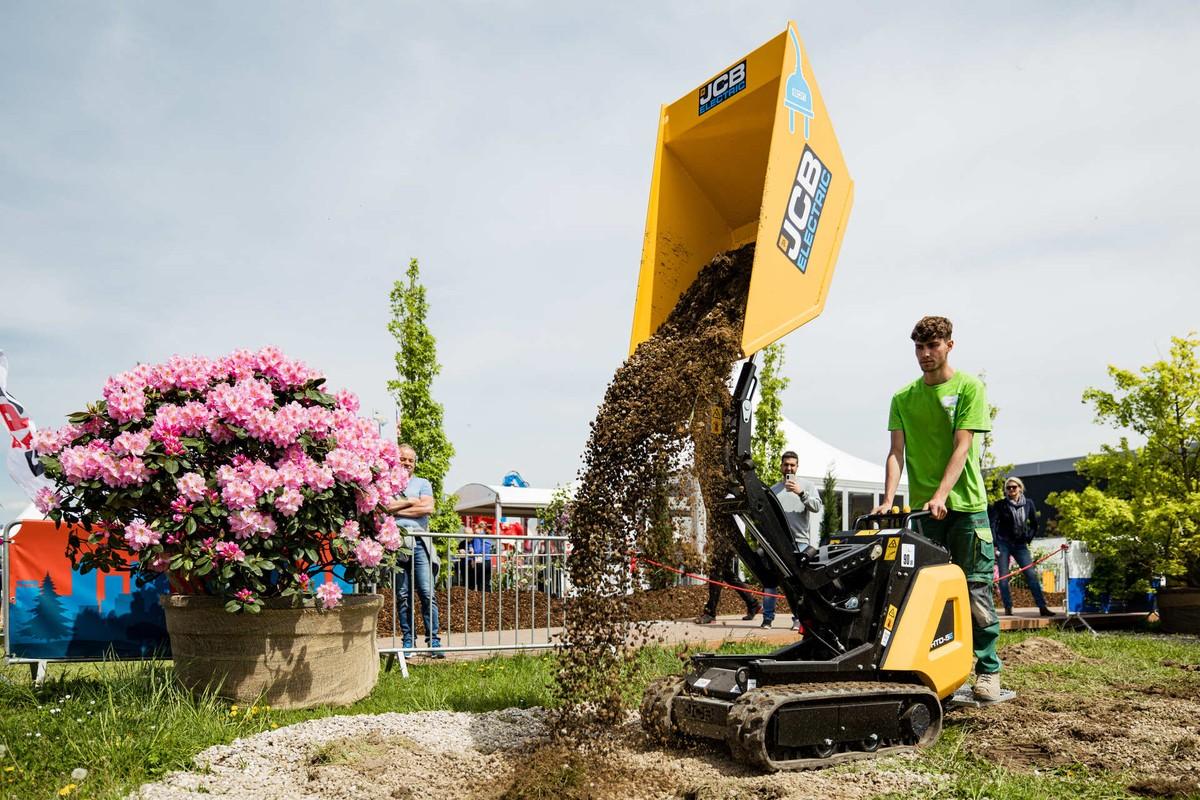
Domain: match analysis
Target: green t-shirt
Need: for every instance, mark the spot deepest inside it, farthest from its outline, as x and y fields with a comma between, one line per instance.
x=929, y=416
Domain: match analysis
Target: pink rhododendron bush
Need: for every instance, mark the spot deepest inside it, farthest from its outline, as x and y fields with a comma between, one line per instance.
x=240, y=477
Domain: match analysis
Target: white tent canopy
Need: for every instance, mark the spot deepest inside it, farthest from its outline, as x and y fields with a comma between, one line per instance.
x=859, y=482
x=818, y=457
x=478, y=499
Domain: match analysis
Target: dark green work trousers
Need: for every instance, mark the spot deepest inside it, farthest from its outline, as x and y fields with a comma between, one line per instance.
x=968, y=537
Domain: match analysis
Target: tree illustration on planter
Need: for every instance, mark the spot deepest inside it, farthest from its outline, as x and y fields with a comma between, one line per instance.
x=47, y=620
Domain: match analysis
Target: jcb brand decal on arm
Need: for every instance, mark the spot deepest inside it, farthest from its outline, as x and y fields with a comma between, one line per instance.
x=722, y=87
x=804, y=207
x=891, y=618
x=890, y=555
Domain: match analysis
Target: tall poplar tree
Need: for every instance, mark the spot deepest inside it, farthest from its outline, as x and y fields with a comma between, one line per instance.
x=767, y=440
x=421, y=417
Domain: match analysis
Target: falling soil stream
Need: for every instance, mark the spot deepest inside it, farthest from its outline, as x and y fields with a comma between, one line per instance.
x=656, y=412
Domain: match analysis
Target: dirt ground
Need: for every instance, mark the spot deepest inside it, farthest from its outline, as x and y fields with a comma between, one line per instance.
x=1148, y=737
x=1151, y=734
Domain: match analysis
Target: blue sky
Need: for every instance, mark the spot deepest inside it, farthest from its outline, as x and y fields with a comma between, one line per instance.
x=185, y=177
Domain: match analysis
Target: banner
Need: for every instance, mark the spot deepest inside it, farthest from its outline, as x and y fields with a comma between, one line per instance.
x=23, y=465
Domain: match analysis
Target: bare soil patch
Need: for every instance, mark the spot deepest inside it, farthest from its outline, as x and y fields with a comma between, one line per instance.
x=1149, y=733
x=1038, y=650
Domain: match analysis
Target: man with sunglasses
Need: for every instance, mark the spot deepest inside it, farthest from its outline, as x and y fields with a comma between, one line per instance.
x=933, y=423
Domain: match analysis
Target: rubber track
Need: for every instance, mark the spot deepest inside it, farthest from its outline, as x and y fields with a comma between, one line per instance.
x=747, y=722
x=656, y=707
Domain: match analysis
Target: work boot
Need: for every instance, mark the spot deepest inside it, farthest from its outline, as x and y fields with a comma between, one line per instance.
x=752, y=612
x=1045, y=612
x=987, y=687
x=705, y=619
x=1008, y=611
x=766, y=623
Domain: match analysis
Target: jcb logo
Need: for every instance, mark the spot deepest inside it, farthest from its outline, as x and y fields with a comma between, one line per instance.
x=722, y=87
x=804, y=207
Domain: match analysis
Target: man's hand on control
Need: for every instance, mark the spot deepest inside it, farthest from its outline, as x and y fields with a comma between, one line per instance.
x=936, y=507
x=883, y=508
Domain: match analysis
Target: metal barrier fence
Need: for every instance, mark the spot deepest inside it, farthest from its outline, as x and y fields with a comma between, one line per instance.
x=510, y=598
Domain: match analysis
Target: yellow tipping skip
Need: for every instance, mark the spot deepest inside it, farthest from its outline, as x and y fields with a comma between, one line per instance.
x=749, y=156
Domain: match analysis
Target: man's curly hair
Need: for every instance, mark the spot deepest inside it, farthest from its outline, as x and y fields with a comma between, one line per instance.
x=930, y=328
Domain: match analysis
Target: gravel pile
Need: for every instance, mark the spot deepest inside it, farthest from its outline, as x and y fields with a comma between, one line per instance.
x=429, y=754
x=500, y=755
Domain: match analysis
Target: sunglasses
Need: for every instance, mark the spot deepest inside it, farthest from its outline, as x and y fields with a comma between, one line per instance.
x=1012, y=487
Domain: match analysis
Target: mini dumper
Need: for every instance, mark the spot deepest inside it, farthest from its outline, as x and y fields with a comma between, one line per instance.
x=750, y=157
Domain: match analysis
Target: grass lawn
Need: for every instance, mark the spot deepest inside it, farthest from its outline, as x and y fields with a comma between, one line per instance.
x=127, y=723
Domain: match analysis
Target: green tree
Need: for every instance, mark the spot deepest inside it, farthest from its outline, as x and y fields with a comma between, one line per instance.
x=421, y=417
x=766, y=440
x=1142, y=510
x=831, y=498
x=994, y=475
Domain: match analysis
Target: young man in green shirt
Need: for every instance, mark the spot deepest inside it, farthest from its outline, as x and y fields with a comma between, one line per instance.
x=933, y=423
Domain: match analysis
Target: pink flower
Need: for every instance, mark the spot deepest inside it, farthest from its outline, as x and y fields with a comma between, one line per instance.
x=288, y=502
x=133, y=471
x=350, y=531
x=239, y=494
x=127, y=406
x=367, y=500
x=245, y=524
x=138, y=535
x=388, y=533
x=131, y=444
x=46, y=499
x=160, y=563
x=348, y=400
x=368, y=553
x=262, y=477
x=228, y=551
x=49, y=442
x=330, y=594
x=245, y=595
x=172, y=446
x=191, y=486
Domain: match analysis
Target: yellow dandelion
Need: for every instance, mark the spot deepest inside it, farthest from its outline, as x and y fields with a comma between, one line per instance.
x=66, y=790
x=274, y=726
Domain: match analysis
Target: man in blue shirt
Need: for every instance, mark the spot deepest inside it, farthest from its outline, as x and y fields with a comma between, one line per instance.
x=412, y=512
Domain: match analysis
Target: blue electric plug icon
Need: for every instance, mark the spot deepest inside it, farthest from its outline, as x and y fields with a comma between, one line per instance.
x=796, y=97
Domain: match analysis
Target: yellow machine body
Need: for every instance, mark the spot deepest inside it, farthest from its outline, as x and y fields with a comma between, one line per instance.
x=748, y=156
x=933, y=639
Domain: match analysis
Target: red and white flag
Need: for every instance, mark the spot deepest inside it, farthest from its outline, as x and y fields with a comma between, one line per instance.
x=23, y=465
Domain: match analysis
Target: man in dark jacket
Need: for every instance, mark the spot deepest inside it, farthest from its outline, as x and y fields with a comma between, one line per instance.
x=1015, y=523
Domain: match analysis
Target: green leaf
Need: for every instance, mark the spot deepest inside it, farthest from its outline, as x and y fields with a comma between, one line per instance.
x=171, y=466
x=190, y=526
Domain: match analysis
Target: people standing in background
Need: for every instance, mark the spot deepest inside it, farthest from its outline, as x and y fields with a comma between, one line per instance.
x=412, y=512
x=1015, y=523
x=798, y=498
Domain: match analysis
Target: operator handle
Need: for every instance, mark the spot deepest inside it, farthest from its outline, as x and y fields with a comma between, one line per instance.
x=900, y=517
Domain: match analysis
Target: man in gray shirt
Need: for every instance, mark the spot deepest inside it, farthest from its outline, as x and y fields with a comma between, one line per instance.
x=799, y=498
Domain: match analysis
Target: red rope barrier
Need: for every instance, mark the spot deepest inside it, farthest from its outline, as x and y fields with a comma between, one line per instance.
x=633, y=560
x=1060, y=549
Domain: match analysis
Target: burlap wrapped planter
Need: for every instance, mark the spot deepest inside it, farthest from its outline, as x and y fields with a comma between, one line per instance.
x=285, y=657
